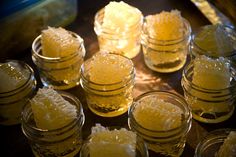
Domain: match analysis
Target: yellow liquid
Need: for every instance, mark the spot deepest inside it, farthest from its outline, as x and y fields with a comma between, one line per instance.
x=165, y=59
x=110, y=105
x=109, y=92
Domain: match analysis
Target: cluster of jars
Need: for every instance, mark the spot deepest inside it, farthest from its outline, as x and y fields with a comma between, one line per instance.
x=109, y=98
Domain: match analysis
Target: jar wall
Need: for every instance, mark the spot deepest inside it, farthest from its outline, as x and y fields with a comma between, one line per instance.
x=165, y=55
x=208, y=105
x=59, y=72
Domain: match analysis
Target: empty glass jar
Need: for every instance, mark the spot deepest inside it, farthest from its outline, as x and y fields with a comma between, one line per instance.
x=64, y=141
x=18, y=84
x=163, y=120
x=59, y=72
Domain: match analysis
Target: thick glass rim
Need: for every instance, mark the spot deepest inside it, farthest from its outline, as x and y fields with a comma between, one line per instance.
x=190, y=83
x=125, y=80
x=213, y=137
x=37, y=45
x=80, y=115
x=98, y=23
x=207, y=52
x=187, y=34
x=31, y=77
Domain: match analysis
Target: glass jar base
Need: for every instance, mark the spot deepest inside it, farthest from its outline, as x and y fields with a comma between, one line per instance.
x=215, y=120
x=103, y=113
x=165, y=67
x=165, y=152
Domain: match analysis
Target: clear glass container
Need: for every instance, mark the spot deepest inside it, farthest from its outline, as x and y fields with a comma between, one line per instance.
x=209, y=105
x=13, y=96
x=165, y=56
x=214, y=41
x=141, y=148
x=210, y=145
x=65, y=141
x=170, y=142
x=127, y=43
x=59, y=72
x=108, y=99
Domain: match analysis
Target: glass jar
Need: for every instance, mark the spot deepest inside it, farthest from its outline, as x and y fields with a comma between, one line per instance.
x=59, y=72
x=209, y=105
x=141, y=148
x=214, y=41
x=165, y=56
x=65, y=141
x=126, y=43
x=18, y=84
x=210, y=145
x=167, y=142
x=108, y=99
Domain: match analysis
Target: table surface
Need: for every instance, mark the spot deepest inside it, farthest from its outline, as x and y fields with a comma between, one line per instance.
x=13, y=142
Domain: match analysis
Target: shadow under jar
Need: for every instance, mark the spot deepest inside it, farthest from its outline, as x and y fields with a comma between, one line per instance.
x=103, y=98
x=14, y=95
x=59, y=72
x=209, y=105
x=165, y=56
x=64, y=142
x=163, y=141
x=126, y=42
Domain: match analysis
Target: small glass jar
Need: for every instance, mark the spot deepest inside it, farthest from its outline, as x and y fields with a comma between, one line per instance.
x=141, y=148
x=13, y=96
x=65, y=141
x=59, y=72
x=165, y=56
x=127, y=43
x=108, y=99
x=209, y=105
x=169, y=142
x=210, y=145
x=204, y=42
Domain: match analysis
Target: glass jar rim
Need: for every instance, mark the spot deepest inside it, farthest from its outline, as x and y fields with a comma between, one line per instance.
x=186, y=69
x=207, y=52
x=31, y=74
x=180, y=98
x=131, y=73
x=211, y=138
x=186, y=35
x=80, y=115
x=127, y=29
x=37, y=44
